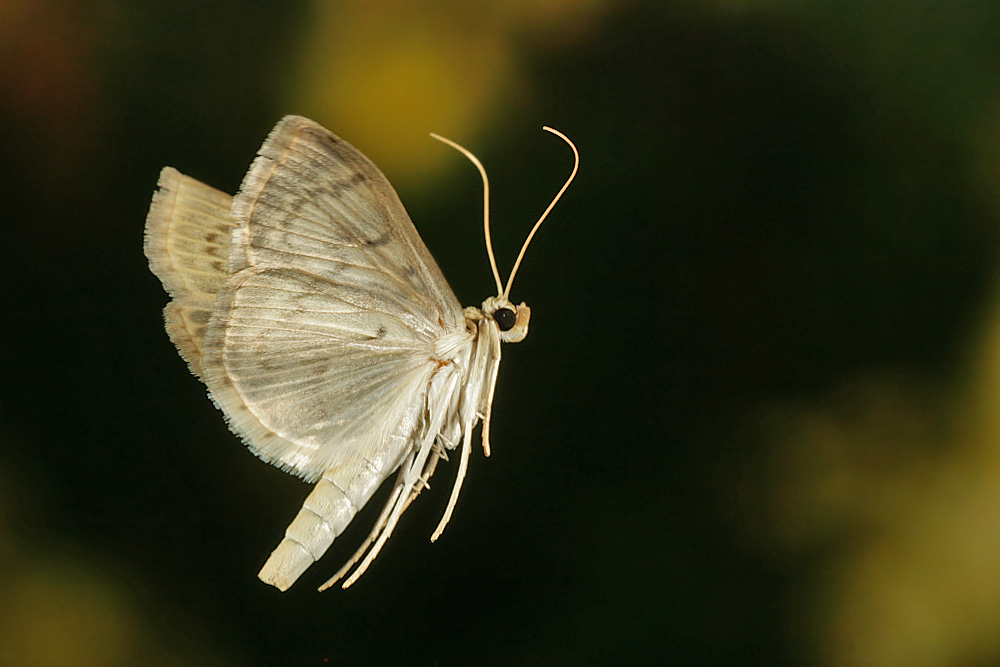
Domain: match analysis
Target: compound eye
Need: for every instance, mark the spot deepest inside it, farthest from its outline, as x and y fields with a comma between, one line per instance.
x=505, y=318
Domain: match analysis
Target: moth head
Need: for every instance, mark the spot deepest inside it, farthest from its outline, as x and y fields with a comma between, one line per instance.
x=511, y=320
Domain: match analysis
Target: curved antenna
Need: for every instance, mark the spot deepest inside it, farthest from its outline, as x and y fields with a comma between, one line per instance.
x=486, y=203
x=531, y=234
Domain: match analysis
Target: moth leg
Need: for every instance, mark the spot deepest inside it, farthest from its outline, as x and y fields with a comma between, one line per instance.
x=376, y=529
x=489, y=405
x=384, y=516
x=463, y=464
x=485, y=437
x=441, y=447
x=425, y=477
x=401, y=503
x=421, y=483
x=413, y=473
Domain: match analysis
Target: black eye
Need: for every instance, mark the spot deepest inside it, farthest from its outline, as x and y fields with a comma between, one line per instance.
x=505, y=318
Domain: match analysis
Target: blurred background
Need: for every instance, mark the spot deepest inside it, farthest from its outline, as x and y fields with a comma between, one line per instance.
x=757, y=420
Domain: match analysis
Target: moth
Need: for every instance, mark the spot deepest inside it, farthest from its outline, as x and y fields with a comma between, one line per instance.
x=326, y=333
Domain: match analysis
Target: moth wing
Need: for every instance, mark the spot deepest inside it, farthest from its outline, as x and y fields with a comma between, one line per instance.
x=323, y=340
x=318, y=376
x=311, y=200
x=187, y=242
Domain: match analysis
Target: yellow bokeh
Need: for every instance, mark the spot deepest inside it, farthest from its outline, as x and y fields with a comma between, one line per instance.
x=59, y=613
x=383, y=75
x=906, y=480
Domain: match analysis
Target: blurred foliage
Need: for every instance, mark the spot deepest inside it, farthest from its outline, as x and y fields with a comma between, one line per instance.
x=756, y=419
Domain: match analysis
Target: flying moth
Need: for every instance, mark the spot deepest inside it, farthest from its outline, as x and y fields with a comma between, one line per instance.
x=326, y=333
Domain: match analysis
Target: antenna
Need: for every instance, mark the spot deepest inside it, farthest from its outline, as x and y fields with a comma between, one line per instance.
x=501, y=290
x=531, y=234
x=486, y=204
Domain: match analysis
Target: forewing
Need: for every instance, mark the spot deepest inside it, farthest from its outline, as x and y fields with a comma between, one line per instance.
x=316, y=375
x=312, y=201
